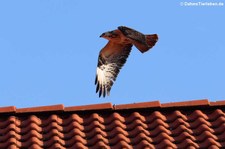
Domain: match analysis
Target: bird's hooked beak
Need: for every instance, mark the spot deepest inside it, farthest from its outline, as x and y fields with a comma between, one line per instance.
x=108, y=34
x=102, y=35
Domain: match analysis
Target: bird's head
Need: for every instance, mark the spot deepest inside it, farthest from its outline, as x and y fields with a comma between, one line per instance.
x=109, y=35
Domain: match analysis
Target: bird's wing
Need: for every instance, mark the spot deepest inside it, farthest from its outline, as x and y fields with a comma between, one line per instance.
x=110, y=61
x=142, y=42
x=132, y=34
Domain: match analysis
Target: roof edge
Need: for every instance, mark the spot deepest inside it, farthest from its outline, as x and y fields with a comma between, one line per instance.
x=59, y=107
x=108, y=106
x=190, y=103
x=141, y=105
x=218, y=103
x=102, y=106
x=9, y=109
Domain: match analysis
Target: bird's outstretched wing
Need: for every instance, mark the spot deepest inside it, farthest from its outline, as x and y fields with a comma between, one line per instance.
x=109, y=66
x=142, y=42
x=132, y=34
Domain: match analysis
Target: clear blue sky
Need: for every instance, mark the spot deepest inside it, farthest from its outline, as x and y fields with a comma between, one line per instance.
x=49, y=50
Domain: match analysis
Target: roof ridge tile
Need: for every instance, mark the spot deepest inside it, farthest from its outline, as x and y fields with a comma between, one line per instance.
x=152, y=104
x=101, y=106
x=9, y=109
x=109, y=106
x=192, y=103
x=218, y=103
x=59, y=107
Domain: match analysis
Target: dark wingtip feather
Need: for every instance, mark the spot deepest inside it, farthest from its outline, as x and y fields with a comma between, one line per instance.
x=100, y=91
x=104, y=91
x=97, y=87
x=100, y=94
x=96, y=79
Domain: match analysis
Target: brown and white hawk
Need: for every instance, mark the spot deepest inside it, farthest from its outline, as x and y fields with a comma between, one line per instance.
x=113, y=56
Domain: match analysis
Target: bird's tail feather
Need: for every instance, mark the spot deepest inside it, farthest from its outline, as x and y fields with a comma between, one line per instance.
x=151, y=40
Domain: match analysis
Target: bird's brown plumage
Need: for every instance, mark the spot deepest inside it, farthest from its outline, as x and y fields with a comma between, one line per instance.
x=115, y=53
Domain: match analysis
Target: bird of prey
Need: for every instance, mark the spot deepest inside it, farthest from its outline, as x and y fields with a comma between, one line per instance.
x=113, y=56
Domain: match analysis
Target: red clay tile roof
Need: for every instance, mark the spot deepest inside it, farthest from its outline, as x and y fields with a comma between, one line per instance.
x=191, y=124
